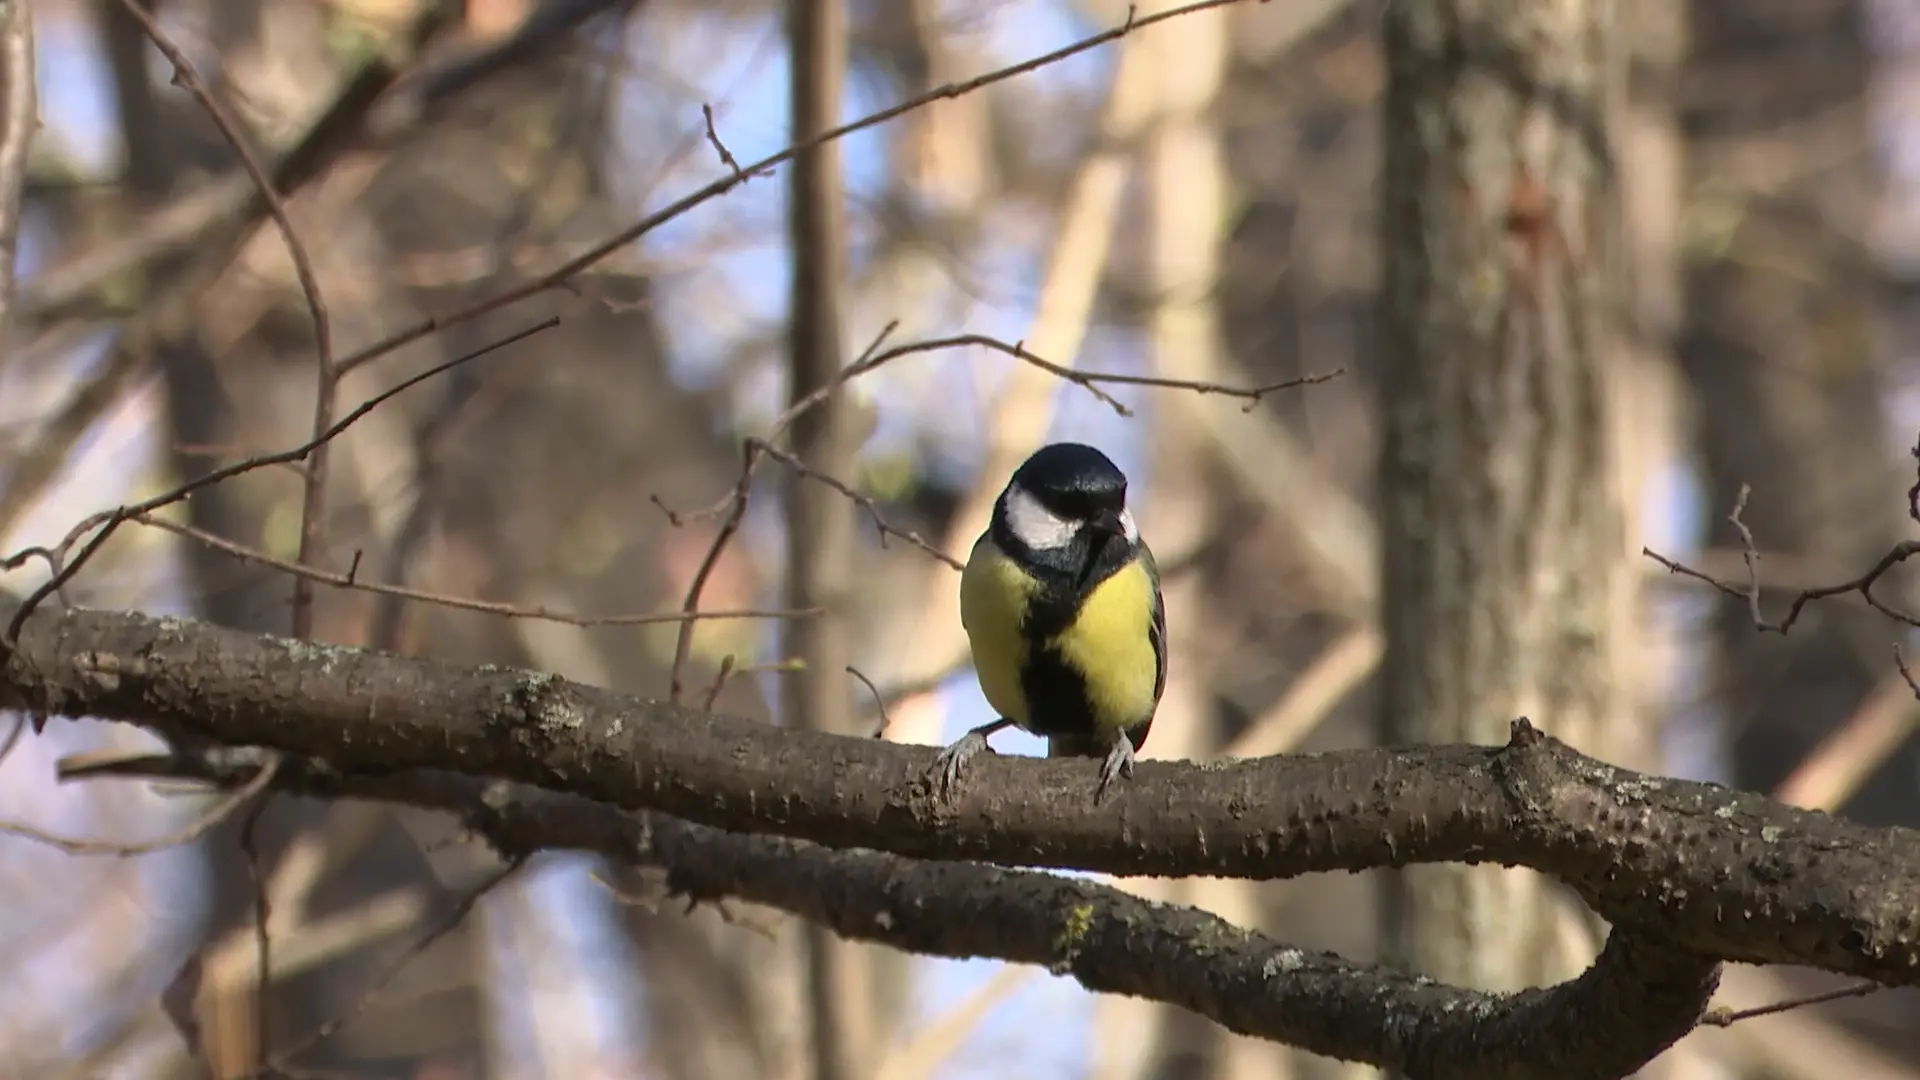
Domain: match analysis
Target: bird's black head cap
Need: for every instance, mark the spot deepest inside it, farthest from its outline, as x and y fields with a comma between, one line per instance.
x=1073, y=479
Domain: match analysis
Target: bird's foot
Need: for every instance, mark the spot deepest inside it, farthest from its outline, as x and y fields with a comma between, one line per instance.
x=946, y=767
x=1119, y=763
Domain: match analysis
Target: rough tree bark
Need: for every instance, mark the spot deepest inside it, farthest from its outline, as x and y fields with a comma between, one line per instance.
x=1683, y=871
x=1500, y=542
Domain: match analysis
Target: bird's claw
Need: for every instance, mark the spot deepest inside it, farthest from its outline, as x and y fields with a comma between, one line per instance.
x=1119, y=763
x=946, y=767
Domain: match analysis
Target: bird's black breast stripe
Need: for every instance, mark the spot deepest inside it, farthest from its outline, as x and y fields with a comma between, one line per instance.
x=1057, y=704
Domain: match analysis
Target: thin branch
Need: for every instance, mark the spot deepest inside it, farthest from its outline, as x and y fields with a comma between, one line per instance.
x=111, y=521
x=863, y=502
x=553, y=278
x=1730, y=1017
x=719, y=682
x=879, y=703
x=216, y=238
x=683, y=642
x=720, y=148
x=326, y=389
x=348, y=580
x=1750, y=592
x=200, y=826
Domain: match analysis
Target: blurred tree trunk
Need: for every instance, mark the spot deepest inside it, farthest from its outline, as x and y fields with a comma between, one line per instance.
x=821, y=542
x=1500, y=522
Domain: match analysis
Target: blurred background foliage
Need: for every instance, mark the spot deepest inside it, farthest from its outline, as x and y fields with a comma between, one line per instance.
x=1195, y=201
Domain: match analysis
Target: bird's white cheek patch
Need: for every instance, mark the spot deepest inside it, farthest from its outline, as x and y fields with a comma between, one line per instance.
x=1035, y=525
x=1127, y=526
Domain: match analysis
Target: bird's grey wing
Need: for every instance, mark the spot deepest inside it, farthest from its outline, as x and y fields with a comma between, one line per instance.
x=1157, y=629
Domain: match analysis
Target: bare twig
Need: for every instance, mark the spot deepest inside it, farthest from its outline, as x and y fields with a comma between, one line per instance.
x=720, y=148
x=735, y=507
x=719, y=682
x=1729, y=1017
x=348, y=580
x=879, y=702
x=314, y=481
x=623, y=238
x=110, y=521
x=683, y=642
x=869, y=359
x=1750, y=592
x=1833, y=770
x=1913, y=493
x=862, y=501
x=217, y=232
x=1090, y=381
x=1906, y=673
x=224, y=808
x=327, y=383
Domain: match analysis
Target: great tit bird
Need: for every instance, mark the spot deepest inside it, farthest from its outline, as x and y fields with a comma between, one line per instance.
x=1061, y=603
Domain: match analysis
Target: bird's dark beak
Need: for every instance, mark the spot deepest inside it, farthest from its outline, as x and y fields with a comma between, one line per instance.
x=1104, y=529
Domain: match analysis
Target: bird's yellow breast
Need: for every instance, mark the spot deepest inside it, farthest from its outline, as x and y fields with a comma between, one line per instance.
x=1107, y=644
x=993, y=594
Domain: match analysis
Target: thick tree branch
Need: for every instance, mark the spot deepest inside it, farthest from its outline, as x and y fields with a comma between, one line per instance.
x=1633, y=1003
x=1717, y=872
